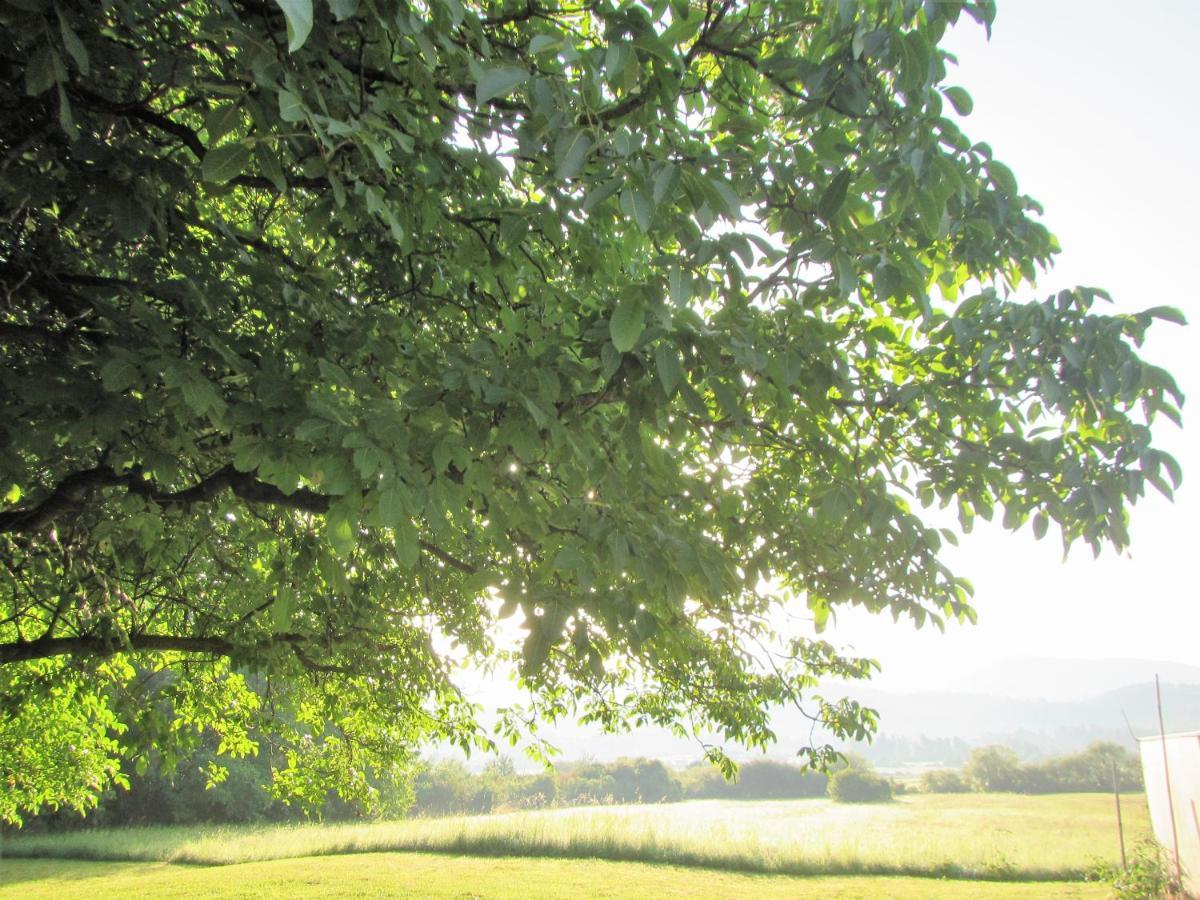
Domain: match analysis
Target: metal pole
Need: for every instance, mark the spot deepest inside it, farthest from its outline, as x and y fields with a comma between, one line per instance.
x=1162, y=737
x=1120, y=824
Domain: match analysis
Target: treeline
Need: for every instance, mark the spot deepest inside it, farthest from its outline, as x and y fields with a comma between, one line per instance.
x=447, y=787
x=436, y=788
x=998, y=768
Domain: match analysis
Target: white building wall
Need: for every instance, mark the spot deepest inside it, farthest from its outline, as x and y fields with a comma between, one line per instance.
x=1183, y=759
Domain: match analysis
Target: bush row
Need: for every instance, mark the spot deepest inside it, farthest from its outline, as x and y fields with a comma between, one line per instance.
x=998, y=768
x=447, y=787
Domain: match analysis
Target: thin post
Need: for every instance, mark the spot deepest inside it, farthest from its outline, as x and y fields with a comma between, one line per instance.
x=1120, y=825
x=1162, y=737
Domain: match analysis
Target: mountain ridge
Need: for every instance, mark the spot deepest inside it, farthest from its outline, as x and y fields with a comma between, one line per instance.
x=1036, y=726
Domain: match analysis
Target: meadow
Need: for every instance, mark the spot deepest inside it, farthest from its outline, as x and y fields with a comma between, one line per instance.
x=919, y=843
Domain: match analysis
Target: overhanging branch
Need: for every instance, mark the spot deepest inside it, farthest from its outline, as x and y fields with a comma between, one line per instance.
x=70, y=493
x=90, y=645
x=72, y=490
x=47, y=647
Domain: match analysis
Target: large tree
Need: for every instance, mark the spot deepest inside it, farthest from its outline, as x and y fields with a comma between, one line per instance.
x=334, y=332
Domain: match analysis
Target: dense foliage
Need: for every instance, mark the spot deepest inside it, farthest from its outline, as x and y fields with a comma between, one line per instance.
x=997, y=768
x=944, y=781
x=334, y=332
x=762, y=779
x=438, y=787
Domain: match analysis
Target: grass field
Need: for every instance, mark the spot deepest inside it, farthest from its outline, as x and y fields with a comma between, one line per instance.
x=996, y=837
x=428, y=875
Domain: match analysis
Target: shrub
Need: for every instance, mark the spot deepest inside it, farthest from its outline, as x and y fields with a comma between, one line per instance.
x=1090, y=770
x=447, y=788
x=765, y=780
x=533, y=791
x=944, y=781
x=998, y=769
x=859, y=786
x=994, y=769
x=702, y=780
x=1148, y=874
x=762, y=779
x=644, y=781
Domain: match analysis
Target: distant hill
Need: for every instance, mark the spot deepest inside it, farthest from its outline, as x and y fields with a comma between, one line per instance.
x=1033, y=727
x=1040, y=707
x=1039, y=678
x=936, y=727
x=974, y=716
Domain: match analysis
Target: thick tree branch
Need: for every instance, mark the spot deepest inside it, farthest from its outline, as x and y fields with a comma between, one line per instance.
x=70, y=493
x=90, y=645
x=66, y=496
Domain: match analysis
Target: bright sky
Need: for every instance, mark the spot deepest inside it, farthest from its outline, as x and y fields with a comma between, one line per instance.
x=1095, y=106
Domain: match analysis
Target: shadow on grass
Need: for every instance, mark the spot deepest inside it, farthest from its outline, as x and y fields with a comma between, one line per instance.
x=573, y=848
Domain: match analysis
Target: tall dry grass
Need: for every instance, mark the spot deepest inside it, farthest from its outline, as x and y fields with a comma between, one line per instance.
x=998, y=837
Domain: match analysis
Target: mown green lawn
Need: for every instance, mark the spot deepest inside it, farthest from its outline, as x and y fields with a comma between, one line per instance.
x=430, y=875
x=991, y=837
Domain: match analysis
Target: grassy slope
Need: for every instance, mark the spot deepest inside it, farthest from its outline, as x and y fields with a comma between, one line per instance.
x=425, y=875
x=979, y=836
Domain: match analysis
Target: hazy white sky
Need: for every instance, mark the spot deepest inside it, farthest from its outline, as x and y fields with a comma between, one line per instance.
x=1095, y=107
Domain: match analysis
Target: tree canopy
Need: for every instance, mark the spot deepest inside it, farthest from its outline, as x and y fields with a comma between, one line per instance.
x=335, y=331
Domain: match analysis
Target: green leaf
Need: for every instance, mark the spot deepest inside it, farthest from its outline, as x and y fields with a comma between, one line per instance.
x=119, y=375
x=598, y=195
x=291, y=108
x=570, y=153
x=66, y=118
x=679, y=284
x=619, y=55
x=726, y=398
x=74, y=46
x=222, y=120
x=1002, y=177
x=665, y=183
x=543, y=42
x=639, y=207
x=960, y=99
x=202, y=396
x=498, y=82
x=332, y=373
x=269, y=165
x=223, y=164
x=1167, y=314
x=1040, y=523
x=834, y=195
x=666, y=360
x=43, y=71
x=343, y=9
x=299, y=16
x=627, y=323
x=392, y=507
x=820, y=611
x=408, y=545
x=683, y=29
x=339, y=531
x=282, y=608
x=569, y=558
